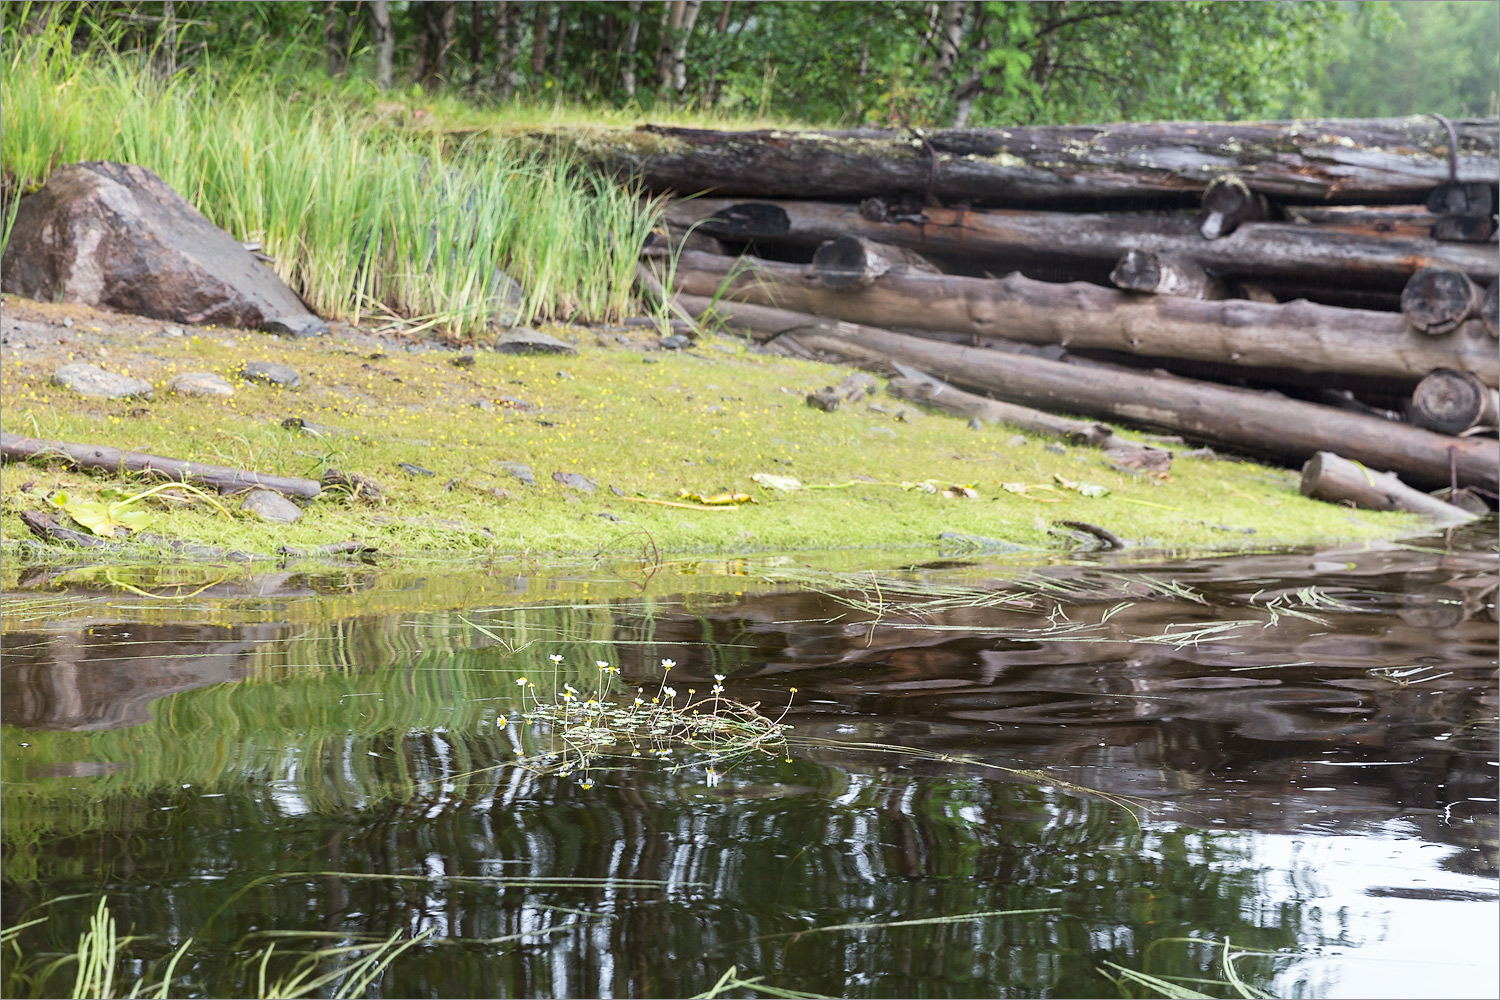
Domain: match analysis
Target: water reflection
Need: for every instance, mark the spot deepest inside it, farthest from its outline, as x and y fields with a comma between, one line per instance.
x=1307, y=742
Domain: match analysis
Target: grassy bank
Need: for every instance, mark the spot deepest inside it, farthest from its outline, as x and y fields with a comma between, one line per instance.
x=642, y=425
x=363, y=217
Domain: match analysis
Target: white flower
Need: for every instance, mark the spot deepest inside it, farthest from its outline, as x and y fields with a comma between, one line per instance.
x=602, y=664
x=719, y=678
x=521, y=682
x=555, y=658
x=669, y=692
x=668, y=664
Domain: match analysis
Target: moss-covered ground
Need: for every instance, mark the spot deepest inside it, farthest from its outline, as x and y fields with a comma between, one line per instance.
x=640, y=422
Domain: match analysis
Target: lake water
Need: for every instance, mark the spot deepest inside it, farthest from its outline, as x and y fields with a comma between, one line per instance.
x=1000, y=779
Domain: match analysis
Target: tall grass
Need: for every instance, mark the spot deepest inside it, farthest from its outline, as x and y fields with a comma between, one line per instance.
x=362, y=219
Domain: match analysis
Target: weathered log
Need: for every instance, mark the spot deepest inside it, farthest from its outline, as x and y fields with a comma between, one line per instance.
x=1464, y=228
x=852, y=262
x=1489, y=312
x=650, y=283
x=1451, y=402
x=1261, y=249
x=1319, y=162
x=45, y=527
x=14, y=447
x=1410, y=221
x=1436, y=300
x=1163, y=274
x=1296, y=335
x=1330, y=477
x=1228, y=202
x=1256, y=422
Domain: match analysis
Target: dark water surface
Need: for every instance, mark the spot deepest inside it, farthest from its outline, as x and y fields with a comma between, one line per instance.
x=1077, y=763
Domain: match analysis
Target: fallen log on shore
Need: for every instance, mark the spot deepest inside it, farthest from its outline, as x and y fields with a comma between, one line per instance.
x=1253, y=250
x=14, y=447
x=1330, y=477
x=1296, y=335
x=1319, y=162
x=1255, y=422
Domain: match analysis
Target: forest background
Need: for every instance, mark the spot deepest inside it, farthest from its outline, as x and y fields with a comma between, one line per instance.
x=901, y=64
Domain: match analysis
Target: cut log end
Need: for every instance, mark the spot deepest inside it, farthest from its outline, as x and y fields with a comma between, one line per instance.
x=1227, y=202
x=1489, y=312
x=749, y=220
x=1451, y=402
x=1436, y=300
x=851, y=262
x=1164, y=274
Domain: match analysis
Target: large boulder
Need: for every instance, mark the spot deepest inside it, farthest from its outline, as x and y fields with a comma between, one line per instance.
x=115, y=235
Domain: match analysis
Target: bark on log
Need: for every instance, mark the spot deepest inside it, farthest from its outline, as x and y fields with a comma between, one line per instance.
x=1436, y=300
x=1228, y=202
x=14, y=447
x=1410, y=221
x=1330, y=477
x=1489, y=312
x=1261, y=249
x=1319, y=162
x=850, y=262
x=1163, y=274
x=1451, y=402
x=1255, y=422
x=1296, y=335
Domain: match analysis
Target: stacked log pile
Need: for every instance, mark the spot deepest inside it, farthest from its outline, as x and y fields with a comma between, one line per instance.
x=1278, y=289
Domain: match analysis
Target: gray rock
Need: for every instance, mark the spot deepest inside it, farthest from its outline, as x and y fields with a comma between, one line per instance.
x=575, y=481
x=305, y=426
x=115, y=235
x=270, y=506
x=270, y=373
x=525, y=340
x=298, y=325
x=201, y=384
x=91, y=380
x=975, y=424
x=520, y=470
x=675, y=342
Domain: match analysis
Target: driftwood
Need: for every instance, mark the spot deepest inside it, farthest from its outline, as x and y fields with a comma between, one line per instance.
x=1318, y=162
x=1330, y=477
x=1296, y=335
x=1261, y=249
x=45, y=527
x=1163, y=274
x=14, y=447
x=1436, y=300
x=1451, y=402
x=1256, y=422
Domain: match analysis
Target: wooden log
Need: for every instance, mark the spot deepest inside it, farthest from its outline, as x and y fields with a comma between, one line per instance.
x=14, y=447
x=1436, y=300
x=1261, y=249
x=1318, y=162
x=1297, y=335
x=852, y=262
x=1489, y=311
x=1227, y=202
x=1327, y=476
x=1410, y=221
x=1255, y=422
x=1451, y=402
x=1163, y=274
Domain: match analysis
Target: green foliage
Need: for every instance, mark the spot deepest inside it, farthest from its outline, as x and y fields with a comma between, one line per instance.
x=817, y=61
x=1406, y=58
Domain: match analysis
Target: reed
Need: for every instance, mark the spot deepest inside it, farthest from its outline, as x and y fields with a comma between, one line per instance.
x=364, y=220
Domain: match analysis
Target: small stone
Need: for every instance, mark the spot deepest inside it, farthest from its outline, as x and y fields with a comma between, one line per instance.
x=608, y=516
x=171, y=331
x=483, y=404
x=616, y=490
x=826, y=399
x=675, y=342
x=305, y=325
x=521, y=471
x=271, y=506
x=1016, y=440
x=525, y=340
x=270, y=373
x=462, y=361
x=414, y=470
x=650, y=361
x=975, y=424
x=68, y=322
x=201, y=384
x=91, y=380
x=575, y=481
x=1056, y=448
